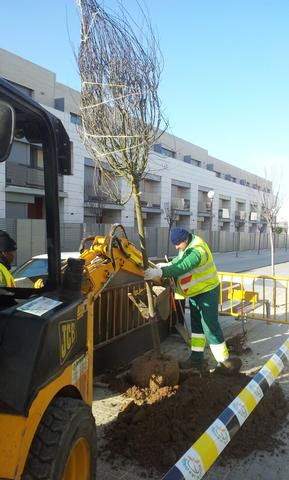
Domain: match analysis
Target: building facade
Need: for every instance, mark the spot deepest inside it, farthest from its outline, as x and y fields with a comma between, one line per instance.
x=184, y=184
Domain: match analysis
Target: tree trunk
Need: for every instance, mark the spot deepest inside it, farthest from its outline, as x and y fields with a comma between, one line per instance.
x=259, y=242
x=168, y=240
x=272, y=250
x=149, y=290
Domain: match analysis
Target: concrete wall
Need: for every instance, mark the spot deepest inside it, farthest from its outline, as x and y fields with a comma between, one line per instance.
x=30, y=75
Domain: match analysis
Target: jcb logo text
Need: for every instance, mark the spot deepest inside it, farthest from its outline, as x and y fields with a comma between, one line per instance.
x=67, y=333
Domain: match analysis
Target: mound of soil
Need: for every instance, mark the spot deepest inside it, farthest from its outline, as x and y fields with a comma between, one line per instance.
x=160, y=424
x=149, y=371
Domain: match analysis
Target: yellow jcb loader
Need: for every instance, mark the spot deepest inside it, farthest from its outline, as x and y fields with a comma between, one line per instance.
x=47, y=430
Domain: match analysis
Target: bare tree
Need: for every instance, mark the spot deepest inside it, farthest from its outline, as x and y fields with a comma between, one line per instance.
x=270, y=206
x=171, y=217
x=261, y=227
x=120, y=66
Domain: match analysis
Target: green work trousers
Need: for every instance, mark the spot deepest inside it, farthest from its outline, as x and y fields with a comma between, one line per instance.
x=205, y=323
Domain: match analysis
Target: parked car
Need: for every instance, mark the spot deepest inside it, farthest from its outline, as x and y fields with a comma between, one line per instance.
x=35, y=268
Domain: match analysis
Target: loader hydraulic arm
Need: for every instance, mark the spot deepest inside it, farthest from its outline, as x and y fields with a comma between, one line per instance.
x=106, y=256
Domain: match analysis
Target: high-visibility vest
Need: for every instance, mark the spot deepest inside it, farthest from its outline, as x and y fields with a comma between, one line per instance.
x=201, y=279
x=6, y=279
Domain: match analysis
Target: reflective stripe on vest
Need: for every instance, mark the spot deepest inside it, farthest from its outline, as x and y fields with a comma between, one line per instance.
x=6, y=279
x=201, y=279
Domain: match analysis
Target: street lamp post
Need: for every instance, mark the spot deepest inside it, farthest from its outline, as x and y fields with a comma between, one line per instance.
x=237, y=227
x=210, y=196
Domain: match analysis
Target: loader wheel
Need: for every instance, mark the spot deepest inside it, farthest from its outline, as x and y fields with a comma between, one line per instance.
x=64, y=446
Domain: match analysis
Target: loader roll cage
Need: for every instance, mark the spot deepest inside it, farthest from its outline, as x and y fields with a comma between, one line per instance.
x=37, y=125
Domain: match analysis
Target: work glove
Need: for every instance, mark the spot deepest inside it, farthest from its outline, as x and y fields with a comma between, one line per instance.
x=160, y=265
x=152, y=273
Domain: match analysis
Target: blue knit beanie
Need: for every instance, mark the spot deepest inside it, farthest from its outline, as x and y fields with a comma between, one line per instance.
x=179, y=235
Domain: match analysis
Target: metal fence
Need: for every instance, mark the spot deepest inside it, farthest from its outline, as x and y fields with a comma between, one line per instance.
x=257, y=297
x=115, y=315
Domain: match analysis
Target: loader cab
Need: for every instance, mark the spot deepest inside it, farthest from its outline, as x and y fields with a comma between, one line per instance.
x=22, y=118
x=39, y=334
x=46, y=353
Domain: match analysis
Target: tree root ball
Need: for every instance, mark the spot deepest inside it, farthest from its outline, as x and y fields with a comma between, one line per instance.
x=149, y=371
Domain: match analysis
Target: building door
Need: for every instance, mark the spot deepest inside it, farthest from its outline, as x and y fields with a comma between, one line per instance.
x=35, y=210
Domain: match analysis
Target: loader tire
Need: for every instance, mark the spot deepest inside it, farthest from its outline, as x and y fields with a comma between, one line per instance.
x=64, y=446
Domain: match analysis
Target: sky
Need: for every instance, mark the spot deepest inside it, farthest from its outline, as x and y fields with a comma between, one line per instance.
x=225, y=82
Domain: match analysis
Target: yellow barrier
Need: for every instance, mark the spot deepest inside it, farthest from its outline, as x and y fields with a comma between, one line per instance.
x=258, y=297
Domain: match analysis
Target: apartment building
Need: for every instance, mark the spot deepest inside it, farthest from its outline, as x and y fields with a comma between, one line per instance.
x=184, y=183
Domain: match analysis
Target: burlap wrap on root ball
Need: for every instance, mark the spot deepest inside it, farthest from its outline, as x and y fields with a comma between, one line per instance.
x=153, y=372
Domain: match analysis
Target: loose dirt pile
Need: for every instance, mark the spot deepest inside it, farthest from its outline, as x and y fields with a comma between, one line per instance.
x=160, y=424
x=149, y=371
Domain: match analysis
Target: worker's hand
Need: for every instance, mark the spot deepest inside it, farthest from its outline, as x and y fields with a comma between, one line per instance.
x=152, y=273
x=166, y=264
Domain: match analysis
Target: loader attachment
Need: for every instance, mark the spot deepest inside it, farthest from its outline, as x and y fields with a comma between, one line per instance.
x=161, y=301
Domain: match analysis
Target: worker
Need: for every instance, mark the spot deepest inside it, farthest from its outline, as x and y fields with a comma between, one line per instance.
x=196, y=278
x=7, y=254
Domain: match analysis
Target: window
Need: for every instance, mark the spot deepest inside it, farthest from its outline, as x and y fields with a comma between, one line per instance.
x=25, y=90
x=196, y=162
x=59, y=104
x=74, y=118
x=158, y=148
x=33, y=268
x=36, y=156
x=192, y=161
x=168, y=153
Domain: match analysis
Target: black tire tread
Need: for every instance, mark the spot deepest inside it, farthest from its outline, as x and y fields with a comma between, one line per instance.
x=48, y=435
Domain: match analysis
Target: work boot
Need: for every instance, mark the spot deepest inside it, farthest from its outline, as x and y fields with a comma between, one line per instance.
x=231, y=366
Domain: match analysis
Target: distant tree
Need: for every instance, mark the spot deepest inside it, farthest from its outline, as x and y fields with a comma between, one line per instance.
x=171, y=217
x=271, y=204
x=261, y=228
x=120, y=66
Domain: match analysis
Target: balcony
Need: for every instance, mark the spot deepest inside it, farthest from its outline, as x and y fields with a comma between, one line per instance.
x=203, y=207
x=150, y=200
x=224, y=214
x=181, y=203
x=21, y=175
x=93, y=199
x=253, y=217
x=240, y=215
